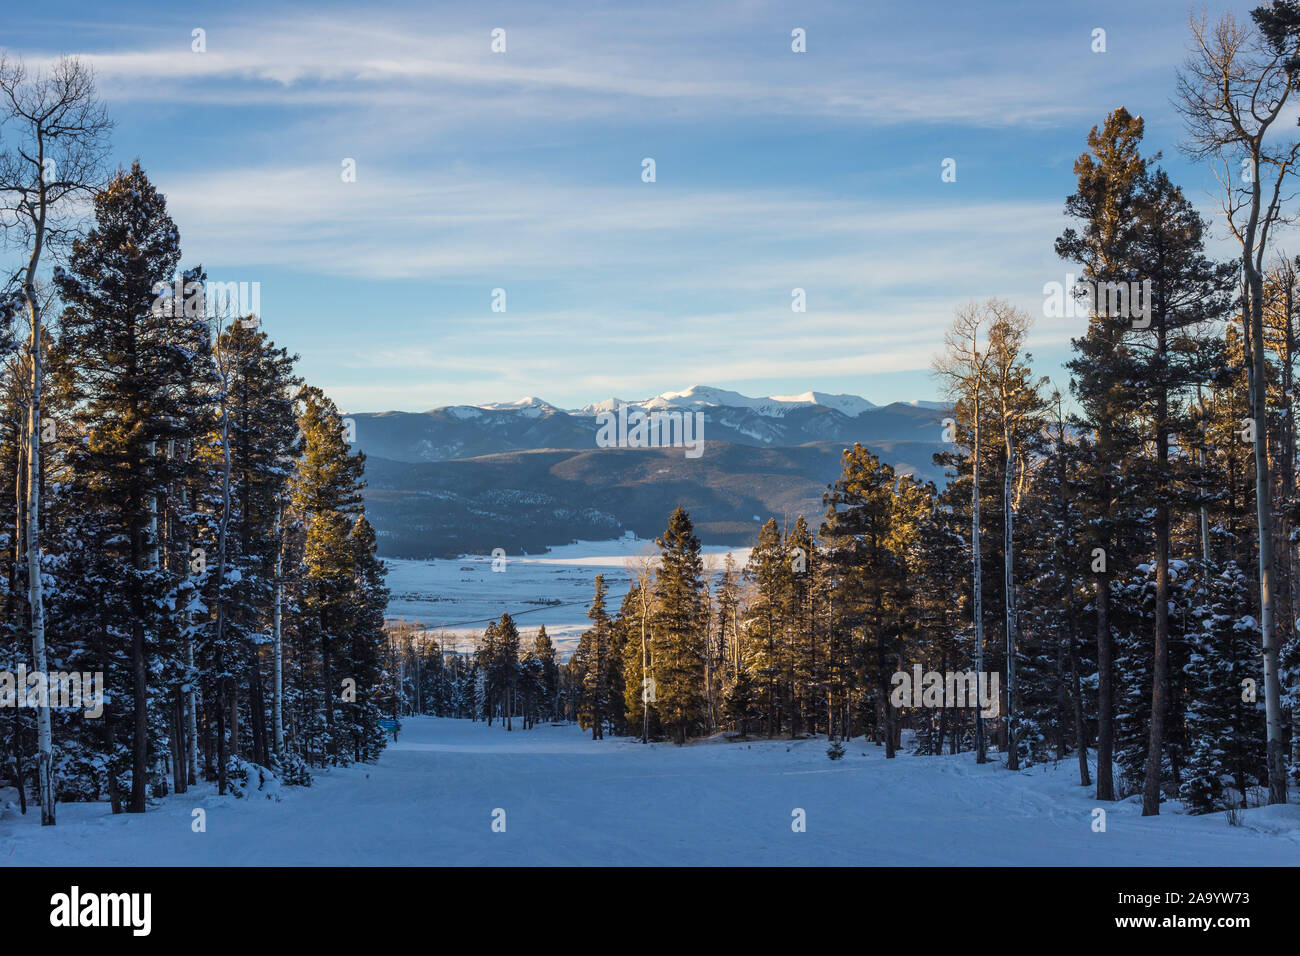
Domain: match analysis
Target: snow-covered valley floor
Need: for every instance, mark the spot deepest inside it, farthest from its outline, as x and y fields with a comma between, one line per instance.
x=456, y=597
x=430, y=800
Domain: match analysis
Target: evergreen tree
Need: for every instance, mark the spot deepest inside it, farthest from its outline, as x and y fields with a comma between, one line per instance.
x=1110, y=177
x=126, y=366
x=597, y=697
x=859, y=536
x=325, y=494
x=677, y=629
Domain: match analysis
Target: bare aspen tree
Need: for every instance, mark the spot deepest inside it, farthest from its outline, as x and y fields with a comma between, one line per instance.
x=1232, y=89
x=1280, y=334
x=642, y=568
x=712, y=570
x=1017, y=406
x=963, y=371
x=55, y=135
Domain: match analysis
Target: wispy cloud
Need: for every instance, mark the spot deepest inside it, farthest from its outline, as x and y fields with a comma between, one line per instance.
x=521, y=170
x=575, y=62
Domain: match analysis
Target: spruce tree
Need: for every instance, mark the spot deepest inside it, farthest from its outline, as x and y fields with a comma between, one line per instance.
x=677, y=629
x=126, y=367
x=1110, y=176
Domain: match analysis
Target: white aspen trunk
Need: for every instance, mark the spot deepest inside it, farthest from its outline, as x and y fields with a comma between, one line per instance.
x=1013, y=758
x=645, y=664
x=35, y=594
x=976, y=582
x=708, y=649
x=1264, y=519
x=1200, y=461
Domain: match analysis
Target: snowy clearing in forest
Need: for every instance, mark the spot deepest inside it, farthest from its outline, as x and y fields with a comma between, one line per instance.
x=430, y=800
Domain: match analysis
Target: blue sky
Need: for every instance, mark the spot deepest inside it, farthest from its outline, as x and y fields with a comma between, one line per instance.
x=522, y=170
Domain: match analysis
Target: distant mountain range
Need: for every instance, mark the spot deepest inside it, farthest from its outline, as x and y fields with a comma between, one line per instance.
x=525, y=475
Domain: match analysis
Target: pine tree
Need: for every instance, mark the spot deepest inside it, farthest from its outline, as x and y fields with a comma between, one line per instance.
x=768, y=569
x=325, y=494
x=1109, y=179
x=368, y=601
x=801, y=656
x=1225, y=734
x=677, y=629
x=544, y=651
x=859, y=537
x=126, y=365
x=597, y=697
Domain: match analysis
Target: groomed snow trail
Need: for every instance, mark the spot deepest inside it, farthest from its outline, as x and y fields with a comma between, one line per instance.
x=569, y=800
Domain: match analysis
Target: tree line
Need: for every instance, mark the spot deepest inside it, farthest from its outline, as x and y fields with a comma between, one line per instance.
x=184, y=514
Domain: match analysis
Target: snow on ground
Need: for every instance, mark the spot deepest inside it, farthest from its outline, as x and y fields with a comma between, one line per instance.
x=570, y=800
x=457, y=596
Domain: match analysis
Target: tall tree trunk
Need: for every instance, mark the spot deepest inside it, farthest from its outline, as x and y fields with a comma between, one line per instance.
x=16, y=736
x=977, y=587
x=16, y=609
x=257, y=708
x=138, y=529
x=1008, y=573
x=181, y=746
x=1105, y=703
x=1287, y=533
x=191, y=715
x=140, y=716
x=191, y=683
x=1159, y=670
x=277, y=692
x=220, y=710
x=1160, y=650
x=1067, y=534
x=35, y=593
x=1080, y=735
x=645, y=663
x=114, y=796
x=1200, y=461
x=224, y=695
x=1276, y=755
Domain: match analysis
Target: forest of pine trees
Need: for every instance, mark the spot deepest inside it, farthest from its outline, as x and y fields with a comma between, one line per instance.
x=181, y=513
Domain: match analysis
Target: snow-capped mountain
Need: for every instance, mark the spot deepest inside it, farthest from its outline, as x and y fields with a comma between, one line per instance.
x=526, y=474
x=468, y=431
x=527, y=405
x=851, y=405
x=702, y=397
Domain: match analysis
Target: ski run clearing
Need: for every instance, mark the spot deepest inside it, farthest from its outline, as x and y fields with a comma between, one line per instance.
x=431, y=800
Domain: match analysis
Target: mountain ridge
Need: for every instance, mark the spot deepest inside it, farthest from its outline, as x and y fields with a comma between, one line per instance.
x=525, y=475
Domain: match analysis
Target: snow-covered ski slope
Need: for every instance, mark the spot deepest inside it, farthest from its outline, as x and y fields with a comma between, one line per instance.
x=431, y=798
